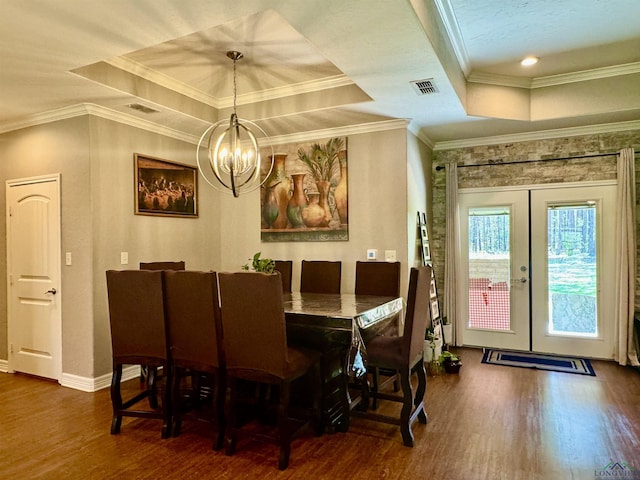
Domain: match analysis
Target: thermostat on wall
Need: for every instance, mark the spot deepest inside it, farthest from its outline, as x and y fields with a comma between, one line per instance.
x=372, y=254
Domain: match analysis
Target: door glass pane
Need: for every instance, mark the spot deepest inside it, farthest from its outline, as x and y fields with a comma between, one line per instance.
x=489, y=267
x=572, y=270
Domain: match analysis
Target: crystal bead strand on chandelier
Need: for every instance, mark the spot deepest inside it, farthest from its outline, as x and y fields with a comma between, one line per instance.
x=233, y=153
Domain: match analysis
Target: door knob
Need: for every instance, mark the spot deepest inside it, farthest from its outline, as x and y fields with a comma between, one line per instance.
x=522, y=279
x=53, y=291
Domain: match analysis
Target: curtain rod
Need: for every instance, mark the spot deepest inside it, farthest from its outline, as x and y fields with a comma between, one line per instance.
x=497, y=162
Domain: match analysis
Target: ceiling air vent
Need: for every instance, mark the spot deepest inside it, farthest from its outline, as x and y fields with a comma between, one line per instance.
x=424, y=87
x=142, y=108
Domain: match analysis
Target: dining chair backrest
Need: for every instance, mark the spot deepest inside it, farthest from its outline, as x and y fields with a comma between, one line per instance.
x=253, y=322
x=193, y=316
x=162, y=265
x=319, y=276
x=378, y=278
x=136, y=313
x=417, y=317
x=285, y=267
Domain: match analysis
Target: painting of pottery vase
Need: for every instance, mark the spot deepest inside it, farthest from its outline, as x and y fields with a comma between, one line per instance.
x=305, y=196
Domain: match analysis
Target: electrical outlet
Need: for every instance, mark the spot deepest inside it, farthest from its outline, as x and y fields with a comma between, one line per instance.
x=67, y=258
x=389, y=255
x=124, y=258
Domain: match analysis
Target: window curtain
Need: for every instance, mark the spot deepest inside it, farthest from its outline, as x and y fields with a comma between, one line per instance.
x=625, y=350
x=452, y=247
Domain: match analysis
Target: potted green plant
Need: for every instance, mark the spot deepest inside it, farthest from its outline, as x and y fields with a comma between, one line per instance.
x=264, y=265
x=450, y=361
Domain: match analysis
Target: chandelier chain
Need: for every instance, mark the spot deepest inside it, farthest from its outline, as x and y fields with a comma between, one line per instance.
x=234, y=85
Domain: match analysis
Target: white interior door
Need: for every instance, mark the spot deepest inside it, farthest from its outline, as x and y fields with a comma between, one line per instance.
x=573, y=287
x=494, y=269
x=33, y=260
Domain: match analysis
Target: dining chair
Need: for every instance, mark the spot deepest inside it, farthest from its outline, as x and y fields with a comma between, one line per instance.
x=147, y=374
x=378, y=278
x=162, y=265
x=195, y=343
x=138, y=337
x=404, y=354
x=319, y=276
x=285, y=267
x=256, y=350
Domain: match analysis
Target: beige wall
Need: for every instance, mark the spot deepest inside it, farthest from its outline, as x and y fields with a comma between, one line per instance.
x=146, y=238
x=377, y=204
x=95, y=158
x=59, y=147
x=418, y=194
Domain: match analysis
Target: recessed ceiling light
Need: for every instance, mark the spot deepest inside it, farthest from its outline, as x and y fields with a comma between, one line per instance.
x=527, y=62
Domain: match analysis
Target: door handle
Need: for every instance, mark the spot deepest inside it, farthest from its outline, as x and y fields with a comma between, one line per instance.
x=53, y=291
x=522, y=279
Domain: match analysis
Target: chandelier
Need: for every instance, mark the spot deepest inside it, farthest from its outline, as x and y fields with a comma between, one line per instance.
x=232, y=162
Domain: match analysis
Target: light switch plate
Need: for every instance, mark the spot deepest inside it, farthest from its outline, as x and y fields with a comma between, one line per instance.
x=124, y=258
x=372, y=254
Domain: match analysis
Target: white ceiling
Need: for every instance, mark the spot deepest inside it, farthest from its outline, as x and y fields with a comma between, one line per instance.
x=310, y=66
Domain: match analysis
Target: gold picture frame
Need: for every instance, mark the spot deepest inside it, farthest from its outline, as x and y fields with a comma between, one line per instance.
x=164, y=188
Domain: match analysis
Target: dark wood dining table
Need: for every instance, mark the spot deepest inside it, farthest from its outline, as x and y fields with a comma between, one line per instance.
x=335, y=325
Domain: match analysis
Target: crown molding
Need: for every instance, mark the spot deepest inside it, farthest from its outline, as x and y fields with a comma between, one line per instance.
x=586, y=75
x=139, y=70
x=552, y=80
x=171, y=83
x=539, y=135
x=414, y=129
x=120, y=117
x=338, y=132
x=126, y=119
x=448, y=17
x=45, y=117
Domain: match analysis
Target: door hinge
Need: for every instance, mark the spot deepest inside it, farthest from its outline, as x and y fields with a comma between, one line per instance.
x=11, y=348
x=10, y=210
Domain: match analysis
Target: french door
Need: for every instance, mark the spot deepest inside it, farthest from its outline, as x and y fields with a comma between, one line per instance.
x=537, y=268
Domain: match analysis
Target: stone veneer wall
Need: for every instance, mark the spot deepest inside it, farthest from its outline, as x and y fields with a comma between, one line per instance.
x=575, y=170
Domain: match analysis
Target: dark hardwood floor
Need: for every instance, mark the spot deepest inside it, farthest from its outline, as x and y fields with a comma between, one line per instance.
x=488, y=422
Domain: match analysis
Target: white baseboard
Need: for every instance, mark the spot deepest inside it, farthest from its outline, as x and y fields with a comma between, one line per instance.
x=87, y=384
x=4, y=366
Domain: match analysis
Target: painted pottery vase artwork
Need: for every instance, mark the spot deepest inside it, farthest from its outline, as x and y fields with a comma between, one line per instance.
x=313, y=214
x=340, y=192
x=305, y=196
x=297, y=202
x=281, y=185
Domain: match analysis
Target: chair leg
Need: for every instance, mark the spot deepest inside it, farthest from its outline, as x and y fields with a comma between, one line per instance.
x=407, y=407
x=284, y=430
x=116, y=399
x=376, y=387
x=167, y=402
x=220, y=395
x=177, y=401
x=231, y=410
x=152, y=386
x=418, y=401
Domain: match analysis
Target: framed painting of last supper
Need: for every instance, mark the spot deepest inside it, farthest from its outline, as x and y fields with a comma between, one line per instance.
x=165, y=188
x=305, y=196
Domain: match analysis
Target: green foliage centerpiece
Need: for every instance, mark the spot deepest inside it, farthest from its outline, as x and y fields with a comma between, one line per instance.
x=264, y=265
